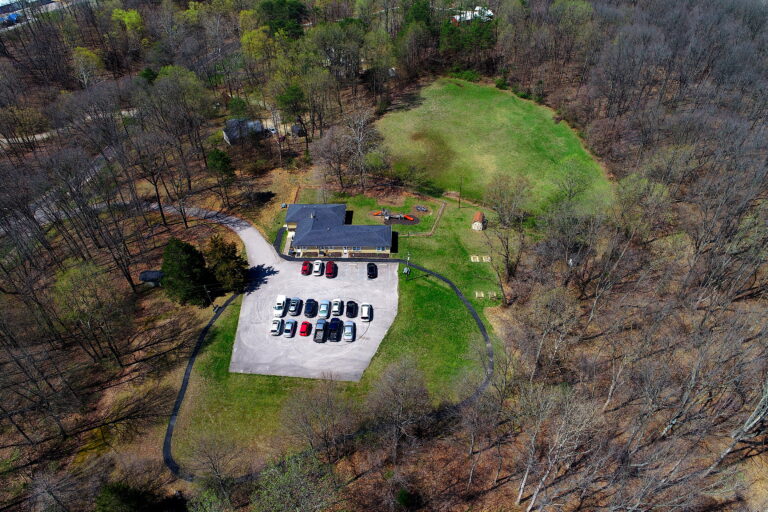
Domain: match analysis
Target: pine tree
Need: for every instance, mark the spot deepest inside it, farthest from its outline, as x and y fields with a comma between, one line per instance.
x=229, y=268
x=185, y=277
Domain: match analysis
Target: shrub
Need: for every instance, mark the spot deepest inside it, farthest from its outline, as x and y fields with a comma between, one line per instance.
x=148, y=74
x=467, y=74
x=237, y=107
x=501, y=83
x=382, y=106
x=119, y=497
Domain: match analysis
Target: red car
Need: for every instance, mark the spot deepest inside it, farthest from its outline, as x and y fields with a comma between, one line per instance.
x=306, y=268
x=330, y=269
x=306, y=328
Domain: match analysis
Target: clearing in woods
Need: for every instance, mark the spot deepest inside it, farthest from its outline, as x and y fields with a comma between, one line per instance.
x=464, y=135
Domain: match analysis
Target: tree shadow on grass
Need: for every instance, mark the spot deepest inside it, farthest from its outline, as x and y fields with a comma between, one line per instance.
x=258, y=276
x=407, y=101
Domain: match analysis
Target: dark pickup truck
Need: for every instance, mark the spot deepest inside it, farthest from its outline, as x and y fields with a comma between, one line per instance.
x=320, y=331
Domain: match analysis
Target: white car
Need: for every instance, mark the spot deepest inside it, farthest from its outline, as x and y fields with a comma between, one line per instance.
x=317, y=268
x=349, y=331
x=325, y=309
x=337, y=307
x=279, y=310
x=277, y=327
x=289, y=331
x=366, y=312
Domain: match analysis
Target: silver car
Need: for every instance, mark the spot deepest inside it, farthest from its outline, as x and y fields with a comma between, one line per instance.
x=337, y=307
x=366, y=312
x=277, y=327
x=289, y=331
x=325, y=309
x=349, y=331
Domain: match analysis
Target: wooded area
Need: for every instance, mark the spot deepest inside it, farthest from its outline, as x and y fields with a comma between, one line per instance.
x=632, y=369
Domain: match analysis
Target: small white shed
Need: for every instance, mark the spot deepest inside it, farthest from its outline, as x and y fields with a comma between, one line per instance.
x=478, y=221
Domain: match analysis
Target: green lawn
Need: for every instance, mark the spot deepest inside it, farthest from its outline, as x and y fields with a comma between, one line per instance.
x=432, y=328
x=245, y=408
x=465, y=135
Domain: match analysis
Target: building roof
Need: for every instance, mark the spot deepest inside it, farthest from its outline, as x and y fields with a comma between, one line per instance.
x=479, y=217
x=146, y=276
x=333, y=213
x=236, y=129
x=322, y=225
x=482, y=13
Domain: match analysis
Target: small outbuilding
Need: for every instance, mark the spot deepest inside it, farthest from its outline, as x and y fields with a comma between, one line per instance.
x=478, y=221
x=478, y=13
x=151, y=277
x=237, y=131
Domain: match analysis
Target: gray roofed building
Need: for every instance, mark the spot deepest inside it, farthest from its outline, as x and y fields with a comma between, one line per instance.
x=151, y=277
x=238, y=130
x=321, y=228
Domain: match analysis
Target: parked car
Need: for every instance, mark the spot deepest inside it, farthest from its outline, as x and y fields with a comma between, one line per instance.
x=306, y=328
x=310, y=308
x=294, y=307
x=366, y=312
x=373, y=271
x=317, y=268
x=279, y=309
x=306, y=268
x=325, y=309
x=337, y=307
x=334, y=329
x=349, y=330
x=289, y=331
x=330, y=269
x=321, y=331
x=277, y=327
x=351, y=309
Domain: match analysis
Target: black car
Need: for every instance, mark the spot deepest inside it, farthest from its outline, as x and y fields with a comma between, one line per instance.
x=334, y=329
x=373, y=271
x=351, y=309
x=310, y=308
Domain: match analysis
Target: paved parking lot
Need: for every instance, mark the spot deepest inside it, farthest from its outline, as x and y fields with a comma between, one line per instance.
x=256, y=351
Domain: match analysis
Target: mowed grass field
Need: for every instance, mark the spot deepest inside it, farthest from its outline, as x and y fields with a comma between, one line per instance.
x=432, y=328
x=465, y=135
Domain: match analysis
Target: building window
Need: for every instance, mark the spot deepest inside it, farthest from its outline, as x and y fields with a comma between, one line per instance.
x=381, y=249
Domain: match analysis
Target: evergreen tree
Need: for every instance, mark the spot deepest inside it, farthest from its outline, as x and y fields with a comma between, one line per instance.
x=228, y=267
x=119, y=497
x=185, y=276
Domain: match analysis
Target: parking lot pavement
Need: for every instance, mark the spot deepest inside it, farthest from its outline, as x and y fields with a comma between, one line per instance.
x=258, y=352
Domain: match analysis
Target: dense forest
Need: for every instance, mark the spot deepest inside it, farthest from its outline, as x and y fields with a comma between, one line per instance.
x=632, y=370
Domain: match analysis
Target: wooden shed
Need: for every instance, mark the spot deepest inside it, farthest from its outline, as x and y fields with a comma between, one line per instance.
x=478, y=221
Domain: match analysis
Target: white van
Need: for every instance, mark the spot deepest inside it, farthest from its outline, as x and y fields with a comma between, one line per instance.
x=279, y=309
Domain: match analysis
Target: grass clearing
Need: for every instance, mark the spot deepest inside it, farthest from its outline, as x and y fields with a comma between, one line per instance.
x=244, y=408
x=465, y=135
x=432, y=328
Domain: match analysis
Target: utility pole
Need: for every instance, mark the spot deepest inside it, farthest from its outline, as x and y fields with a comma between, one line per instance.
x=210, y=301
